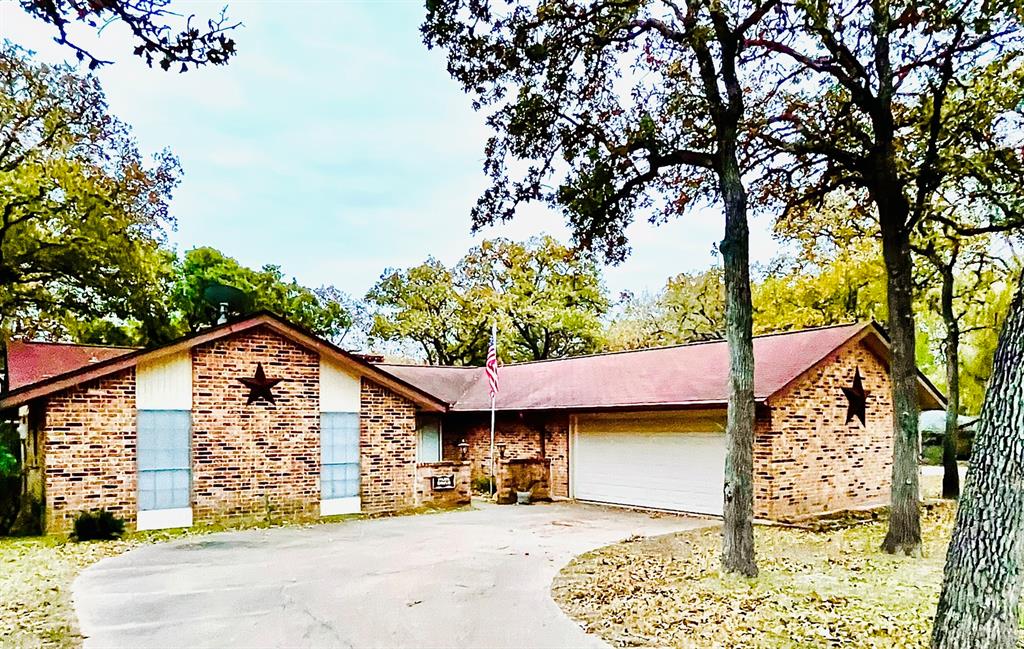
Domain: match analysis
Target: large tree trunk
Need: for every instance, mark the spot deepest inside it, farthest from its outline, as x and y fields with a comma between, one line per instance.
x=904, y=534
x=950, y=470
x=738, y=542
x=982, y=584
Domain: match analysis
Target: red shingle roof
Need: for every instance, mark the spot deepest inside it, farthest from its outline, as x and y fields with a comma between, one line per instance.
x=684, y=375
x=31, y=362
x=43, y=369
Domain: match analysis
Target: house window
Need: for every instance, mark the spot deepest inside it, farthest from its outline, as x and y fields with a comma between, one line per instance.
x=163, y=456
x=428, y=433
x=339, y=455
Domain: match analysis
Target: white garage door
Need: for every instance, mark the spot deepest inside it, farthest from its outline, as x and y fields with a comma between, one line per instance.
x=664, y=461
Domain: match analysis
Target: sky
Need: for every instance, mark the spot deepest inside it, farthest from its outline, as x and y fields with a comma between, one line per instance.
x=335, y=145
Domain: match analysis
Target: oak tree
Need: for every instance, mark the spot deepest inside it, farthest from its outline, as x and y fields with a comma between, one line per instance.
x=82, y=214
x=159, y=33
x=871, y=109
x=616, y=108
x=326, y=311
x=547, y=299
x=982, y=580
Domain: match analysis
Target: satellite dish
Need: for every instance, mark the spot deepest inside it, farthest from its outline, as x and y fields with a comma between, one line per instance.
x=226, y=300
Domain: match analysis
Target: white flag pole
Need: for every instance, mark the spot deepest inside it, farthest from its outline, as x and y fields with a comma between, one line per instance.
x=494, y=342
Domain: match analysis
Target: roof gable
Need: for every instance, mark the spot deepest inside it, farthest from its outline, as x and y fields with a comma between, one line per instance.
x=303, y=338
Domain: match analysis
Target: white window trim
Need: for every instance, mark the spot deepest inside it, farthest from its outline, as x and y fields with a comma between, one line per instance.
x=162, y=519
x=338, y=506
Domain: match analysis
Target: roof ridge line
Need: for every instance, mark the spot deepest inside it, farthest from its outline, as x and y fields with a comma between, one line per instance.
x=695, y=343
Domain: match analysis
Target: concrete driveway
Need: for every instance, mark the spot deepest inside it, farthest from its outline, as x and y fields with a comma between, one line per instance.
x=476, y=578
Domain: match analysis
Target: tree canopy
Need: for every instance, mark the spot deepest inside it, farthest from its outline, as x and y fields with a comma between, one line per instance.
x=324, y=311
x=547, y=300
x=83, y=214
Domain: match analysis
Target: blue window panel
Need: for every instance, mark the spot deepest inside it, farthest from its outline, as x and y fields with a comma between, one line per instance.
x=165, y=489
x=165, y=470
x=339, y=455
x=428, y=430
x=163, y=439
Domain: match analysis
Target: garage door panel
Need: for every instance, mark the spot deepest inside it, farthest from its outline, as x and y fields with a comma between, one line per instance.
x=680, y=471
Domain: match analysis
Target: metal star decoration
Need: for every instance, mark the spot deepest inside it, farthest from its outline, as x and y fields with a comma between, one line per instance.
x=260, y=386
x=857, y=399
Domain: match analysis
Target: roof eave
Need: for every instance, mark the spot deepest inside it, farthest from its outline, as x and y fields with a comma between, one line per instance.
x=76, y=377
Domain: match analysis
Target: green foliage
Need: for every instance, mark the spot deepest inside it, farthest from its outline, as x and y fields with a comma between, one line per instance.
x=931, y=454
x=423, y=304
x=97, y=525
x=9, y=443
x=845, y=284
x=324, y=311
x=83, y=215
x=689, y=308
x=8, y=463
x=547, y=300
x=481, y=484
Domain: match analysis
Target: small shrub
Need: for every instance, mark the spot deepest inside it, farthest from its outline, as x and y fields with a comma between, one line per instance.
x=97, y=525
x=481, y=485
x=931, y=455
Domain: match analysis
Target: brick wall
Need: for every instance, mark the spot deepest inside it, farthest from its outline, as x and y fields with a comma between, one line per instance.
x=521, y=435
x=88, y=440
x=387, y=439
x=425, y=494
x=817, y=462
x=248, y=458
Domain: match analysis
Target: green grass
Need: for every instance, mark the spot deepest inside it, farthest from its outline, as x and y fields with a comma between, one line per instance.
x=815, y=589
x=931, y=454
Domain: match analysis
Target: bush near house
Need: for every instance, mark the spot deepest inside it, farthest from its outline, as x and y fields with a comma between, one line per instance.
x=10, y=476
x=98, y=525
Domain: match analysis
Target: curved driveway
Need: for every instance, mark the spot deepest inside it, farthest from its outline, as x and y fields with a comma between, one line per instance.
x=477, y=578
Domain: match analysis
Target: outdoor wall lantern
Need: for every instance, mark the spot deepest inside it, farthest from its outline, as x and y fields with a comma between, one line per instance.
x=463, y=450
x=501, y=450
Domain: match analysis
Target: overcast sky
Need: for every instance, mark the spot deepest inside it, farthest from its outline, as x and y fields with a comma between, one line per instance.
x=335, y=145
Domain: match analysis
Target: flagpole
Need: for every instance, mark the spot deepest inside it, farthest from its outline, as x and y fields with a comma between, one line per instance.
x=494, y=342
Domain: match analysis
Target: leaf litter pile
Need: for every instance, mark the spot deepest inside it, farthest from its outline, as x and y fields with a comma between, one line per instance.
x=35, y=588
x=824, y=587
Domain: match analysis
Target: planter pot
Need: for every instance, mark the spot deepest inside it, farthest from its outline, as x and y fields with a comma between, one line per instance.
x=523, y=497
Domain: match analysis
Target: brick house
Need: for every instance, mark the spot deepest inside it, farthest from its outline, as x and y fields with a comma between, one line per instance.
x=646, y=428
x=170, y=436
x=258, y=418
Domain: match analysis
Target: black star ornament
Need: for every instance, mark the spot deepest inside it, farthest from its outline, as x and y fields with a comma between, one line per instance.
x=260, y=386
x=857, y=399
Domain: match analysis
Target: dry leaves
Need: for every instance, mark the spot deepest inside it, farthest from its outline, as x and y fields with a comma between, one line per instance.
x=35, y=588
x=830, y=588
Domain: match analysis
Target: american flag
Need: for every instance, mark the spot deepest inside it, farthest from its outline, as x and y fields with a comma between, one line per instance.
x=491, y=368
